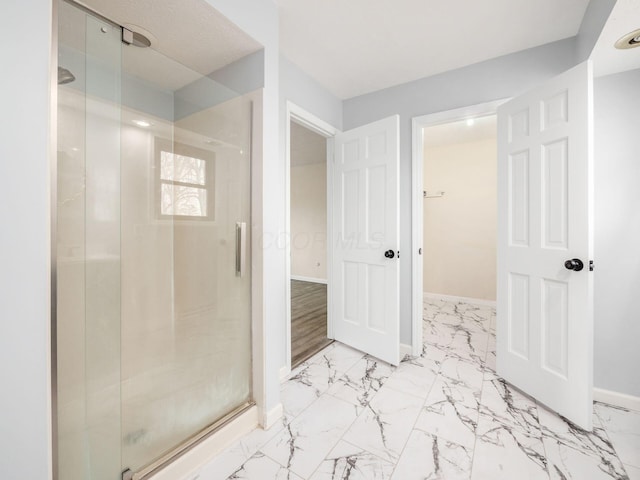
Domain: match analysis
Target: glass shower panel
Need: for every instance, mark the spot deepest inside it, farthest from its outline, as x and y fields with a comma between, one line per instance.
x=186, y=307
x=88, y=248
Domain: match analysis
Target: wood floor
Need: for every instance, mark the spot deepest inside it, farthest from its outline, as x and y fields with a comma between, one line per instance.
x=308, y=320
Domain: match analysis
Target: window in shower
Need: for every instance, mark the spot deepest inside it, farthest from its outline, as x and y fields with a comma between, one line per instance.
x=185, y=181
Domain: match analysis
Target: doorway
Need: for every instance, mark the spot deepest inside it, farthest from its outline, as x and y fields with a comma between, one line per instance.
x=309, y=144
x=425, y=194
x=459, y=210
x=308, y=222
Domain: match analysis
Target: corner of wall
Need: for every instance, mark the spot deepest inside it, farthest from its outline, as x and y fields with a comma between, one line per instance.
x=595, y=17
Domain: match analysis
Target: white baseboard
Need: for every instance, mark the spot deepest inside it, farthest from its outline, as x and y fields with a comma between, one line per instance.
x=272, y=416
x=616, y=399
x=453, y=298
x=309, y=279
x=284, y=373
x=188, y=465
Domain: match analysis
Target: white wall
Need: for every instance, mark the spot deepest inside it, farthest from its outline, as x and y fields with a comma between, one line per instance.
x=308, y=183
x=25, y=443
x=617, y=233
x=493, y=79
x=459, y=252
x=309, y=221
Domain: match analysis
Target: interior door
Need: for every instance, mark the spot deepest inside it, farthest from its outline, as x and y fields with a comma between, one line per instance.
x=365, y=217
x=545, y=300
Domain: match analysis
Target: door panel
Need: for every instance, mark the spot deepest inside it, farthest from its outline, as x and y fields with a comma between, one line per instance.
x=545, y=310
x=365, y=217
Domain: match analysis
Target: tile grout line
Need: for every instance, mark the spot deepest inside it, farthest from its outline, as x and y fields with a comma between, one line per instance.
x=475, y=433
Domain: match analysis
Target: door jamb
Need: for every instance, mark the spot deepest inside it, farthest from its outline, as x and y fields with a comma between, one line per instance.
x=417, y=213
x=315, y=124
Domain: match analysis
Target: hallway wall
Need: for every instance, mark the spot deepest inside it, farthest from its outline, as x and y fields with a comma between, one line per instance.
x=459, y=239
x=308, y=204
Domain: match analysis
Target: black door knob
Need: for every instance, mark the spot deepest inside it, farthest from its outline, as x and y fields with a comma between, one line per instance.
x=574, y=264
x=389, y=254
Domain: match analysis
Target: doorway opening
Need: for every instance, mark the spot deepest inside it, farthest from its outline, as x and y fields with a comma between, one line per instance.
x=459, y=210
x=309, y=147
x=446, y=178
x=308, y=222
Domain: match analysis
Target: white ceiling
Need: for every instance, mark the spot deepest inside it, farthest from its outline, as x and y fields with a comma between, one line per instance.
x=607, y=59
x=190, y=32
x=352, y=47
x=483, y=128
x=307, y=147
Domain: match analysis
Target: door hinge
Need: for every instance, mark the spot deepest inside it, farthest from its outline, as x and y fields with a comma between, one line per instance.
x=127, y=36
x=591, y=265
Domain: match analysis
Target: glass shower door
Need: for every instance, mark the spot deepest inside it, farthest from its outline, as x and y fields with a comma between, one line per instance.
x=153, y=253
x=88, y=248
x=186, y=285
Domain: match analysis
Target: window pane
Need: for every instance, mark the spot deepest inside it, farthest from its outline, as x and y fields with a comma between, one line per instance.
x=180, y=168
x=186, y=201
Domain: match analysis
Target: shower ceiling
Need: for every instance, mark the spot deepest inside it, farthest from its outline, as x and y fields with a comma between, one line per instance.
x=191, y=32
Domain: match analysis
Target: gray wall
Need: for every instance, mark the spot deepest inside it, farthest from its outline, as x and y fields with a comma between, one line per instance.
x=237, y=78
x=617, y=232
x=494, y=79
x=595, y=17
x=298, y=87
x=25, y=241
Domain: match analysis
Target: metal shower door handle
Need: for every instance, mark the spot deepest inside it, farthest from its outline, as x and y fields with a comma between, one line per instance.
x=241, y=241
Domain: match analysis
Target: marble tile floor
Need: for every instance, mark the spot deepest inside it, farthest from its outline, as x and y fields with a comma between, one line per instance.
x=443, y=415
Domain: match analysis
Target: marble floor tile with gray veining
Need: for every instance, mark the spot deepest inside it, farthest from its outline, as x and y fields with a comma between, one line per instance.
x=428, y=456
x=442, y=415
x=623, y=427
x=348, y=461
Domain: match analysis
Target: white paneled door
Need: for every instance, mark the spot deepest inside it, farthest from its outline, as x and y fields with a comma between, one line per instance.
x=365, y=222
x=545, y=300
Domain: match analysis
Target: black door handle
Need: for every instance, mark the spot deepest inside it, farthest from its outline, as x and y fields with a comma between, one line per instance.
x=389, y=254
x=574, y=264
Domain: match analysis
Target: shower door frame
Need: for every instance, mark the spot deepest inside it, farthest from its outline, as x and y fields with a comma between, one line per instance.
x=258, y=389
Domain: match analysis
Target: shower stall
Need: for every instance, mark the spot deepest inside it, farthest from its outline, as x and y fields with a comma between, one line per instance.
x=152, y=250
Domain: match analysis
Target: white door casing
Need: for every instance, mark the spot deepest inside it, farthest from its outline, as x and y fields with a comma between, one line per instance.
x=545, y=193
x=365, y=226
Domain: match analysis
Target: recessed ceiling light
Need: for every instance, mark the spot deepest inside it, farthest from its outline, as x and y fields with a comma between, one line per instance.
x=470, y=122
x=142, y=123
x=630, y=40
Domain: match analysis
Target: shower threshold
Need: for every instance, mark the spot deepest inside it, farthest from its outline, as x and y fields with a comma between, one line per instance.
x=172, y=455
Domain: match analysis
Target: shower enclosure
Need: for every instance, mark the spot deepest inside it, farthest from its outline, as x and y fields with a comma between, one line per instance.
x=153, y=322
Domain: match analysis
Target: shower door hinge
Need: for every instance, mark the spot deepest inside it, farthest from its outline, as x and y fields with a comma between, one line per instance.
x=127, y=37
x=127, y=474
